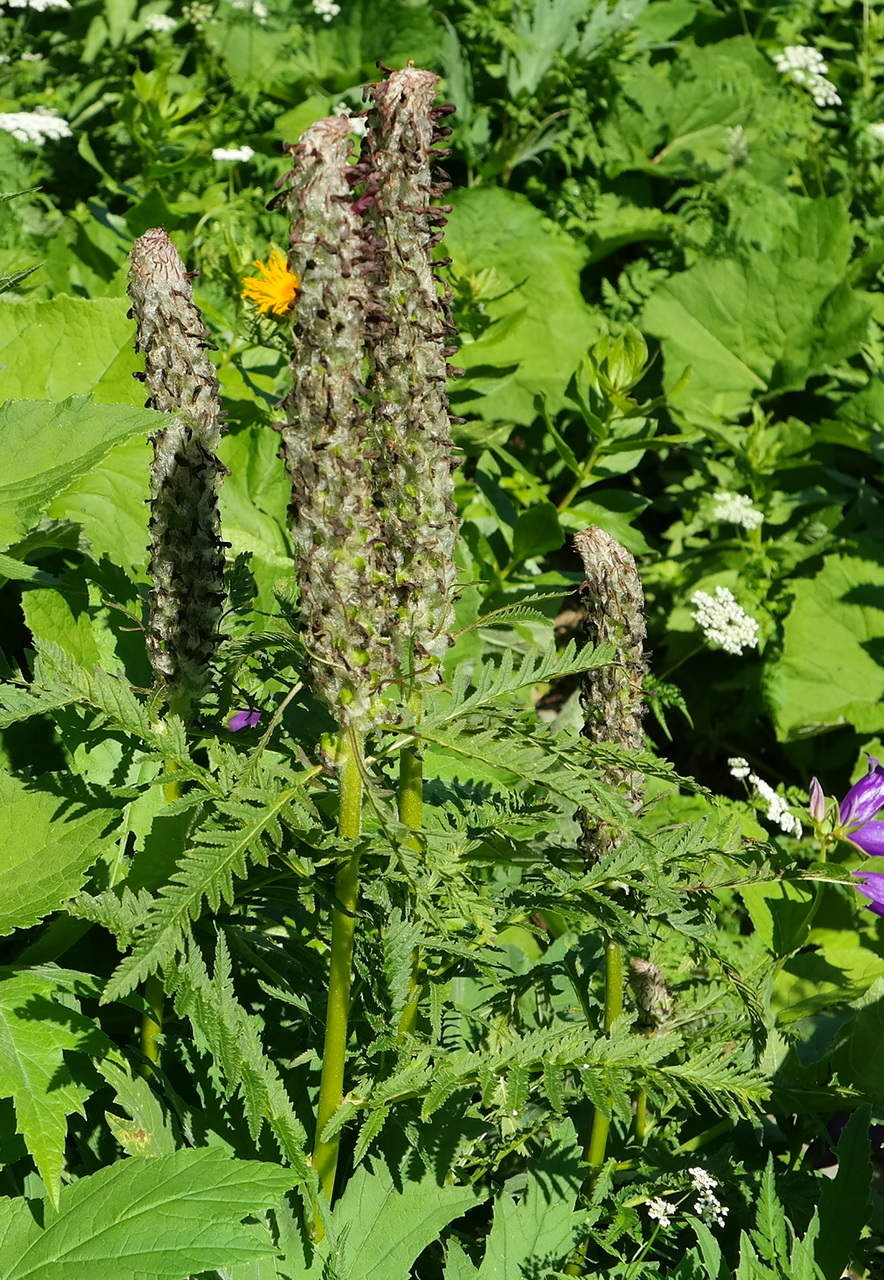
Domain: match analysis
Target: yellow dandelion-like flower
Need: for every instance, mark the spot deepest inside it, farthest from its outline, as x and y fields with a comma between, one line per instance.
x=275, y=288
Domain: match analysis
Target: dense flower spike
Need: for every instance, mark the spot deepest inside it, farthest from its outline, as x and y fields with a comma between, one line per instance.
x=612, y=694
x=187, y=554
x=409, y=347
x=329, y=442
x=650, y=993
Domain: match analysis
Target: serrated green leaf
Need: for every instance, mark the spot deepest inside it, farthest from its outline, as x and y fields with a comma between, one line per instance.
x=46, y=446
x=49, y=843
x=35, y=1032
x=145, y=1219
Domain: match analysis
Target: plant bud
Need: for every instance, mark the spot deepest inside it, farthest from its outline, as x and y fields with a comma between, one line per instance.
x=186, y=551
x=409, y=342
x=612, y=695
x=650, y=993
x=329, y=441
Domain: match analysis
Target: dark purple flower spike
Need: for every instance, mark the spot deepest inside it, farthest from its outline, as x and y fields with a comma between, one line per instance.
x=244, y=720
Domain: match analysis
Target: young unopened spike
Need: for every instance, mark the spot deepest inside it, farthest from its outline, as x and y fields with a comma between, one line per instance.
x=186, y=551
x=614, y=605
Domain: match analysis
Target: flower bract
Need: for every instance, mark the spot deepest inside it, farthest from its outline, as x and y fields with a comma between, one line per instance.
x=275, y=288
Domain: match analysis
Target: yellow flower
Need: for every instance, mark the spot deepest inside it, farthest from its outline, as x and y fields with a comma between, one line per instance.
x=276, y=288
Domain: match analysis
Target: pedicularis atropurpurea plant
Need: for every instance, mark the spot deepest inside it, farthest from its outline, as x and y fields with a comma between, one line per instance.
x=383, y=939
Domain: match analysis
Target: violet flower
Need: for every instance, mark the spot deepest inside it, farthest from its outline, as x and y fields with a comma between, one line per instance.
x=249, y=718
x=855, y=820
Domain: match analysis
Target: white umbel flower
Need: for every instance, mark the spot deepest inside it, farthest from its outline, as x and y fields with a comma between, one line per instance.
x=707, y=1205
x=806, y=66
x=739, y=768
x=876, y=131
x=736, y=508
x=34, y=126
x=326, y=9
x=777, y=810
x=256, y=8
x=160, y=22
x=39, y=6
x=723, y=621
x=660, y=1211
x=232, y=153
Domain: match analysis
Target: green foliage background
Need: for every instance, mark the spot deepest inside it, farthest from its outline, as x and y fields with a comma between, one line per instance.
x=667, y=268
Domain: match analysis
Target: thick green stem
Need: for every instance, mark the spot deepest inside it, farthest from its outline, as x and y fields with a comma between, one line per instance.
x=411, y=806
x=152, y=1023
x=601, y=1123
x=594, y=1152
x=641, y=1115
x=331, y=1087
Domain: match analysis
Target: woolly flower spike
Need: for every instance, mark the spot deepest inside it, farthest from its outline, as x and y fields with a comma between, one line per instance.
x=409, y=347
x=723, y=621
x=612, y=694
x=736, y=508
x=275, y=288
x=187, y=554
x=329, y=442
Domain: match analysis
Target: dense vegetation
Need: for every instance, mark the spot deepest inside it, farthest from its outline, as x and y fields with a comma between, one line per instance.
x=616, y=1001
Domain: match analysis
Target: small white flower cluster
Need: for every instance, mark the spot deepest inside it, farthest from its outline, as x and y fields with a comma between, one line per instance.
x=34, y=126
x=778, y=811
x=876, y=131
x=736, y=143
x=160, y=22
x=806, y=66
x=39, y=6
x=196, y=13
x=29, y=56
x=707, y=1205
x=326, y=9
x=232, y=153
x=358, y=124
x=660, y=1211
x=723, y=621
x=736, y=508
x=256, y=8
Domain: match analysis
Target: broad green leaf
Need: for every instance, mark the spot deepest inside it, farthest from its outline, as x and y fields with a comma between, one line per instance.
x=47, y=446
x=782, y=914
x=525, y=273
x=830, y=670
x=36, y=1030
x=145, y=1219
x=109, y=503
x=535, y=1232
x=383, y=1223
x=68, y=347
x=48, y=845
x=761, y=322
x=844, y=1203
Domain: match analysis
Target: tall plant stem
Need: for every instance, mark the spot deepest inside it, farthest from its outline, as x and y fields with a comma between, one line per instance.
x=411, y=808
x=601, y=1123
x=331, y=1087
x=152, y=1022
x=594, y=1152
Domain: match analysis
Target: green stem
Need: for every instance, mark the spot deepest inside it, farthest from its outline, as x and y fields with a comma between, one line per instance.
x=411, y=808
x=641, y=1115
x=594, y=1152
x=331, y=1087
x=152, y=1023
x=601, y=1123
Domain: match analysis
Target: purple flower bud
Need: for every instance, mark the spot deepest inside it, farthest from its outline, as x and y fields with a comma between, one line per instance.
x=864, y=798
x=817, y=802
x=244, y=720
